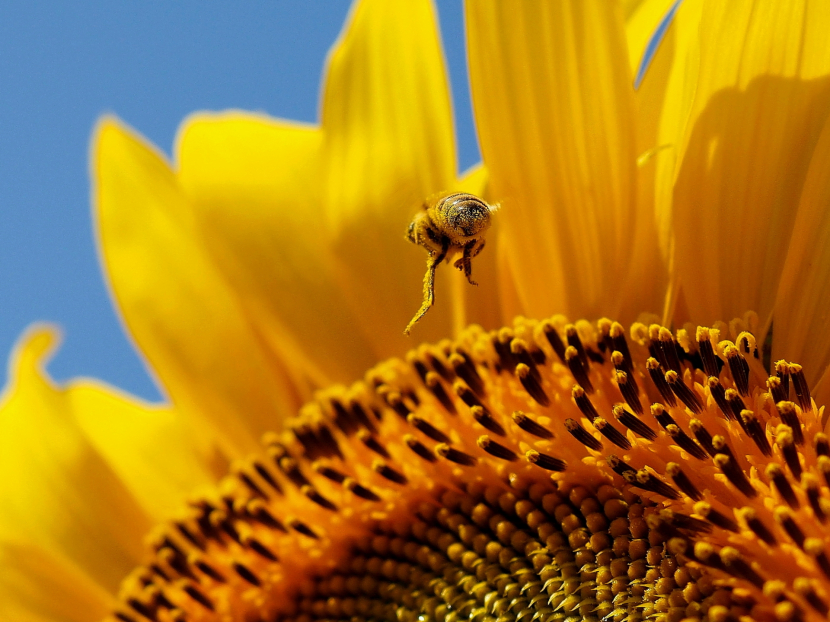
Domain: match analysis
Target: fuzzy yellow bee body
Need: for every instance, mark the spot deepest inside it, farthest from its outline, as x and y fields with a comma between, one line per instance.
x=453, y=224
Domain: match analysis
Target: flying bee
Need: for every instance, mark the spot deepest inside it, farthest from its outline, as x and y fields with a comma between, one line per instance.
x=454, y=223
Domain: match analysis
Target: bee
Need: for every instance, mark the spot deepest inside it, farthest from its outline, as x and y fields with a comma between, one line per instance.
x=454, y=224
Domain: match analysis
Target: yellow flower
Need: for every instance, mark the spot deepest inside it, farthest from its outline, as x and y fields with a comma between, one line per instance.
x=544, y=469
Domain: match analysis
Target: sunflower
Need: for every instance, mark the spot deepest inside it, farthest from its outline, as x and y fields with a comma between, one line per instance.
x=663, y=458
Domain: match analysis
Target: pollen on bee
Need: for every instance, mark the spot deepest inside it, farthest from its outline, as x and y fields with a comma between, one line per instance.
x=446, y=226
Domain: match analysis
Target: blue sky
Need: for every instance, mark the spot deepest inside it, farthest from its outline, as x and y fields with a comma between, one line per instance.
x=63, y=64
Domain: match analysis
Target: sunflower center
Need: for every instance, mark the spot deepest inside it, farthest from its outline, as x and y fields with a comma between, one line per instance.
x=547, y=471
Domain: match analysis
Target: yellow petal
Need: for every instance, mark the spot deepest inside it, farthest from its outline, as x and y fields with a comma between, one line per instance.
x=554, y=102
x=38, y=585
x=307, y=224
x=663, y=101
x=58, y=492
x=256, y=187
x=389, y=144
x=178, y=306
x=802, y=306
x=478, y=305
x=760, y=103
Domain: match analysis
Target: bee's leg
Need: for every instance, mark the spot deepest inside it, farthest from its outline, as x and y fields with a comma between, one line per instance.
x=429, y=286
x=480, y=245
x=471, y=249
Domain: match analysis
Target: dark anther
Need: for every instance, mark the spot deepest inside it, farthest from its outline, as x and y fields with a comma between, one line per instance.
x=530, y=426
x=195, y=594
x=682, y=481
x=454, y=455
x=611, y=433
x=815, y=548
x=554, y=340
x=190, y=536
x=822, y=444
x=584, y=404
x=395, y=401
x=810, y=484
x=686, y=395
x=419, y=448
x=682, y=440
x=372, y=443
x=823, y=463
x=802, y=390
x=496, y=449
x=618, y=466
x=668, y=346
x=466, y=370
x=634, y=424
x=737, y=365
x=707, y=353
x=621, y=345
x=549, y=463
x=716, y=518
x=605, y=342
x=782, y=372
x=246, y=574
x=719, y=395
x=436, y=387
x=359, y=490
x=582, y=435
x=292, y=471
x=647, y=481
x=485, y=420
x=785, y=518
x=266, y=475
x=466, y=394
x=756, y=431
x=420, y=367
x=343, y=418
x=260, y=549
x=438, y=365
x=386, y=471
x=628, y=389
x=659, y=380
x=785, y=441
x=578, y=370
x=519, y=348
x=316, y=497
x=803, y=588
x=686, y=522
x=789, y=416
x=501, y=343
x=776, y=474
x=662, y=415
x=702, y=435
x=426, y=428
x=575, y=342
x=245, y=478
x=532, y=384
x=210, y=571
x=776, y=389
x=734, y=474
x=736, y=565
x=736, y=405
x=757, y=527
x=329, y=473
x=141, y=609
x=256, y=510
x=300, y=527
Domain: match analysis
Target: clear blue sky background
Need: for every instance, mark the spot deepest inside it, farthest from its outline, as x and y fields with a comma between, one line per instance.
x=62, y=64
